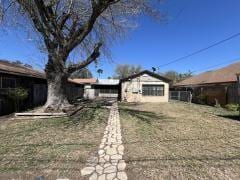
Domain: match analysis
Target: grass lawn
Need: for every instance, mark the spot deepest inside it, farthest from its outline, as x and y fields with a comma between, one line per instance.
x=177, y=140
x=50, y=147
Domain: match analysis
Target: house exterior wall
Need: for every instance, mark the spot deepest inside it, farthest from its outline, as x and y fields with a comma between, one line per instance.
x=89, y=92
x=131, y=91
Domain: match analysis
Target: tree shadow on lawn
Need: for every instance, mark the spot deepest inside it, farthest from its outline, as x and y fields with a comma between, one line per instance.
x=41, y=163
x=231, y=117
x=86, y=116
x=180, y=140
x=83, y=118
x=193, y=158
x=145, y=116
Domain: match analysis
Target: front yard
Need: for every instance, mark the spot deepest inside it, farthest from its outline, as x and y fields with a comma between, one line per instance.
x=55, y=148
x=172, y=140
x=180, y=141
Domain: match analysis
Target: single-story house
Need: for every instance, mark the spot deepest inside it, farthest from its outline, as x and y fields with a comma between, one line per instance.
x=98, y=88
x=211, y=87
x=14, y=76
x=145, y=86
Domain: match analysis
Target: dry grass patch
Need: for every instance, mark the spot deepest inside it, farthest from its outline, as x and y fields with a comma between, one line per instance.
x=180, y=141
x=50, y=147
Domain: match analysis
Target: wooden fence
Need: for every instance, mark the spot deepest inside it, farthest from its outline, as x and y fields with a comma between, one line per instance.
x=232, y=94
x=39, y=94
x=74, y=92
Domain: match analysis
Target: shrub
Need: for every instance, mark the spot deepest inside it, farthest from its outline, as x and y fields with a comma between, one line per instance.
x=17, y=95
x=202, y=99
x=232, y=107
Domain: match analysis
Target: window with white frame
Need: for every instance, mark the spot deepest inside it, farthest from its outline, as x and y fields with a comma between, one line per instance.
x=153, y=90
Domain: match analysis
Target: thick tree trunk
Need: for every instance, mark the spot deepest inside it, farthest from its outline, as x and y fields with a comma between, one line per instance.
x=57, y=83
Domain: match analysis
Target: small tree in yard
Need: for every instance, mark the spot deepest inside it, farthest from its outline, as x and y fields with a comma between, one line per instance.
x=17, y=95
x=65, y=26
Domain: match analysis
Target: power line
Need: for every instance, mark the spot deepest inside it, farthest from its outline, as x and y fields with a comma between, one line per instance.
x=200, y=50
x=180, y=12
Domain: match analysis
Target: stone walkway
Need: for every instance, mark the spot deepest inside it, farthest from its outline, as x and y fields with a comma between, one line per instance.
x=109, y=164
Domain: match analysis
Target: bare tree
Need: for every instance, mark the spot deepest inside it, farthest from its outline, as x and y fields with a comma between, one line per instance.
x=125, y=70
x=68, y=25
x=176, y=77
x=82, y=73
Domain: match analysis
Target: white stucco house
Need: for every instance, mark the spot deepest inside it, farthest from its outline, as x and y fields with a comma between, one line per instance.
x=145, y=86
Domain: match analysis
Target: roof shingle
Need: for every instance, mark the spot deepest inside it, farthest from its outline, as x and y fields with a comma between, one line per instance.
x=14, y=69
x=223, y=75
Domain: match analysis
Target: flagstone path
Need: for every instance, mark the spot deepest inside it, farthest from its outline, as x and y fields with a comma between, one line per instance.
x=109, y=164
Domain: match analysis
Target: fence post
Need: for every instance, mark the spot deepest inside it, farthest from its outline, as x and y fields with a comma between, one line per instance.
x=179, y=95
x=238, y=87
x=190, y=96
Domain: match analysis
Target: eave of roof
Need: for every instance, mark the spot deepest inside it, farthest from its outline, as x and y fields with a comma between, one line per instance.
x=82, y=81
x=146, y=72
x=38, y=75
x=204, y=84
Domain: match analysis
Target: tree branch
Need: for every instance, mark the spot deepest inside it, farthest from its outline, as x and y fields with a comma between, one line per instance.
x=93, y=57
x=34, y=16
x=97, y=9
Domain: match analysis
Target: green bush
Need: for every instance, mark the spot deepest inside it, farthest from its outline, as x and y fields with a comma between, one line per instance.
x=201, y=98
x=232, y=107
x=17, y=95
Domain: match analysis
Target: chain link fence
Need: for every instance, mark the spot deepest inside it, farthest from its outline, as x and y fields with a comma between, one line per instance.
x=180, y=96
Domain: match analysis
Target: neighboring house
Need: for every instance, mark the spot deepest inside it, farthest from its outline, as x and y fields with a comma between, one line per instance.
x=145, y=87
x=211, y=87
x=14, y=76
x=106, y=88
x=99, y=88
x=83, y=84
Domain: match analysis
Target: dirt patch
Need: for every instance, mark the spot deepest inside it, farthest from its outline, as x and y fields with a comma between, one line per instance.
x=180, y=141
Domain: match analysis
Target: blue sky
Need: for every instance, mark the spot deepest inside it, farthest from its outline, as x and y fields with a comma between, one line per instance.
x=190, y=25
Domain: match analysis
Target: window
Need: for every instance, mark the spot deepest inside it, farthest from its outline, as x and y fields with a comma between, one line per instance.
x=153, y=90
x=8, y=82
x=108, y=91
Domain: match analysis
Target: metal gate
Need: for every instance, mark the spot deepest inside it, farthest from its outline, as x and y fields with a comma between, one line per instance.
x=180, y=96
